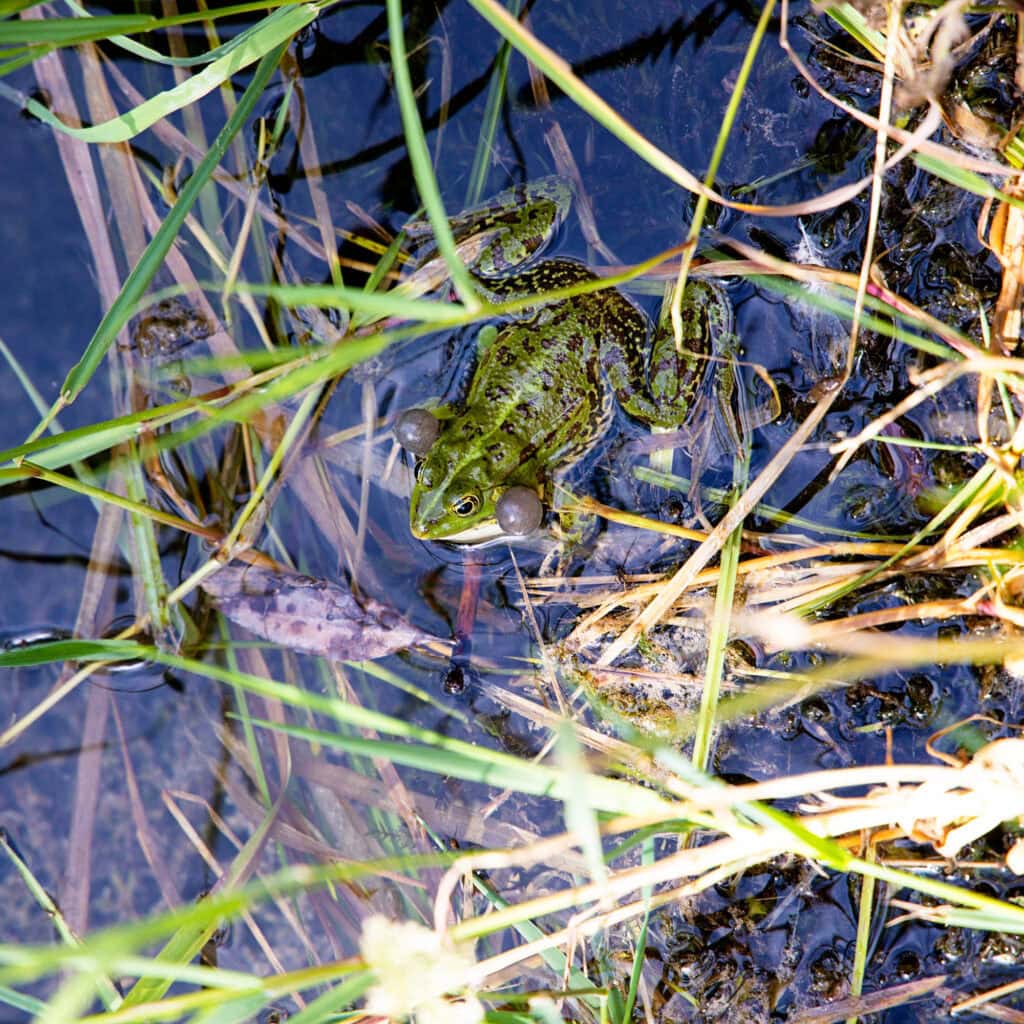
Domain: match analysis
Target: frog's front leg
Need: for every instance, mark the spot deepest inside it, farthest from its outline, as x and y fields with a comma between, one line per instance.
x=573, y=530
x=573, y=527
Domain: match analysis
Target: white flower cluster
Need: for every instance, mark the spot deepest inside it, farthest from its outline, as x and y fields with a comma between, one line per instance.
x=416, y=974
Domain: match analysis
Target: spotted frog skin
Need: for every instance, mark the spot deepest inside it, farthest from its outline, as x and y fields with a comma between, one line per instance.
x=544, y=389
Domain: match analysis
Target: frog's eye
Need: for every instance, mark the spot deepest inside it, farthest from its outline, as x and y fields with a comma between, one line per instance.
x=416, y=430
x=465, y=506
x=426, y=475
x=519, y=511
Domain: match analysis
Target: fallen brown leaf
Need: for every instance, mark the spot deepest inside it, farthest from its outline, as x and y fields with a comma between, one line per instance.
x=312, y=615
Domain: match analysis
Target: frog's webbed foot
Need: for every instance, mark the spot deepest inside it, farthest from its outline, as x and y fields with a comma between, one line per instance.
x=564, y=553
x=738, y=406
x=725, y=422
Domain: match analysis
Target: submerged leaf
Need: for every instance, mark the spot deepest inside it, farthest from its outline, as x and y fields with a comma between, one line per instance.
x=311, y=615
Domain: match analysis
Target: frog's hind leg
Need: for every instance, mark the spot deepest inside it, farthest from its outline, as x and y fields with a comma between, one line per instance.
x=505, y=231
x=680, y=375
x=677, y=373
x=622, y=332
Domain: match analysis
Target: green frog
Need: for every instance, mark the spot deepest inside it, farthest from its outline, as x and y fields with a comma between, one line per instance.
x=546, y=382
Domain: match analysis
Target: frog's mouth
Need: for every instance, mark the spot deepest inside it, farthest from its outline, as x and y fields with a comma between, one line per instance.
x=478, y=534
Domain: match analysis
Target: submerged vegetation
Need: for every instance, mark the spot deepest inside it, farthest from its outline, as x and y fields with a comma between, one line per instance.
x=748, y=751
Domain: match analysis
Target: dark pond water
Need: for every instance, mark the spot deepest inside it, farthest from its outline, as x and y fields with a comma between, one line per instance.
x=781, y=937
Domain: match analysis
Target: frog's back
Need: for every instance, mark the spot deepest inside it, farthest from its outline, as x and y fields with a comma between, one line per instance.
x=541, y=393
x=538, y=398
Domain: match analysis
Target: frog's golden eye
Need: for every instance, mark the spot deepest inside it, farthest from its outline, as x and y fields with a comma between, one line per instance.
x=465, y=506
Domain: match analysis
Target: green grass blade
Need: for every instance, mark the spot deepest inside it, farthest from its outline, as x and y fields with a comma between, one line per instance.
x=186, y=943
x=419, y=155
x=332, y=1002
x=964, y=179
x=68, y=31
x=724, y=131
x=155, y=57
x=865, y=911
x=376, y=278
x=84, y=442
x=104, y=987
x=356, y=300
x=559, y=71
x=478, y=764
x=959, y=500
x=489, y=123
x=152, y=259
x=640, y=953
x=13, y=6
x=20, y=59
x=234, y=1011
x=275, y=31
x=136, y=507
x=580, y=812
x=113, y=948
x=847, y=17
x=430, y=750
x=29, y=1004
x=718, y=640
x=681, y=484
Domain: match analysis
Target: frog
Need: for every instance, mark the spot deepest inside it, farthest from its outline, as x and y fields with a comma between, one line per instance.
x=167, y=328
x=160, y=339
x=547, y=381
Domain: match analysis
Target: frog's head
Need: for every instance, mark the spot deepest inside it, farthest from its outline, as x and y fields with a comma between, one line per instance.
x=451, y=502
x=454, y=499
